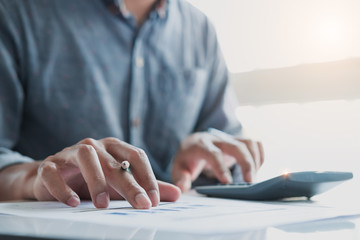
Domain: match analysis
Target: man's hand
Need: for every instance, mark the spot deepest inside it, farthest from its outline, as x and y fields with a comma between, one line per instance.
x=91, y=169
x=204, y=152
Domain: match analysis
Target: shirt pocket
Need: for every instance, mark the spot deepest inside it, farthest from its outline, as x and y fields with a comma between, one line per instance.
x=176, y=100
x=182, y=83
x=181, y=94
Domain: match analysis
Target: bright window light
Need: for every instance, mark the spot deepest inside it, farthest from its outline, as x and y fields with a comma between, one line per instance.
x=306, y=136
x=262, y=34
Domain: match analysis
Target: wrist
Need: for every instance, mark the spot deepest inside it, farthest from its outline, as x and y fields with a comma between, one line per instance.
x=30, y=174
x=17, y=181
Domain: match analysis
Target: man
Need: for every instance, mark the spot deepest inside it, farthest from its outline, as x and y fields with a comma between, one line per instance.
x=145, y=78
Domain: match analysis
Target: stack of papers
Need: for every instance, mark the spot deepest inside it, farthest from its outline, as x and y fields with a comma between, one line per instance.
x=191, y=214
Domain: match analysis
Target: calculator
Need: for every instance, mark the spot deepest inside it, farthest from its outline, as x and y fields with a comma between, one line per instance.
x=288, y=185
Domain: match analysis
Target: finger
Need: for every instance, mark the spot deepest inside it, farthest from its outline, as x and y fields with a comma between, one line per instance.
x=143, y=173
x=262, y=153
x=122, y=181
x=125, y=184
x=55, y=184
x=214, y=157
x=182, y=179
x=139, y=165
x=243, y=157
x=254, y=151
x=186, y=168
x=168, y=192
x=89, y=164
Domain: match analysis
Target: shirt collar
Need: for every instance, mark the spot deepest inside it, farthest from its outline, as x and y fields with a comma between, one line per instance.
x=161, y=8
x=122, y=7
x=118, y=6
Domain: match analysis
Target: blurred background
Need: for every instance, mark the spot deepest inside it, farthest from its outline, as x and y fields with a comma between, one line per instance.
x=295, y=66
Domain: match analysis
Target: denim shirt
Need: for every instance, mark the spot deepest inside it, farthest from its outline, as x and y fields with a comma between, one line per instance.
x=73, y=69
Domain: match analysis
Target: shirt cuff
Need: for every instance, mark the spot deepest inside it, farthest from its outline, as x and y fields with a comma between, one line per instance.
x=8, y=157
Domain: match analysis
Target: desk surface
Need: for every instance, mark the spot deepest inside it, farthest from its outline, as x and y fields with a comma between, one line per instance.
x=344, y=225
x=58, y=229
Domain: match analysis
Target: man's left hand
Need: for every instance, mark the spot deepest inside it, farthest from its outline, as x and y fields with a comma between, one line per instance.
x=204, y=152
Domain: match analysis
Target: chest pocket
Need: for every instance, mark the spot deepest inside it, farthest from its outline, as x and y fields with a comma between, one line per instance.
x=176, y=98
x=180, y=94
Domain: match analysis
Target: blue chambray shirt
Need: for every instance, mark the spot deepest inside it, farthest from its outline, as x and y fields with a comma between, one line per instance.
x=76, y=69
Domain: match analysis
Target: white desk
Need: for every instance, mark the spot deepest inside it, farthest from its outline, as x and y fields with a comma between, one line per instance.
x=344, y=229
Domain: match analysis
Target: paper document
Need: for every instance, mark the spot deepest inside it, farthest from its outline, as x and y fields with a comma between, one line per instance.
x=191, y=214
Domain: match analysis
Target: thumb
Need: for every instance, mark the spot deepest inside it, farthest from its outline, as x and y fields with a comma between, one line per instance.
x=168, y=192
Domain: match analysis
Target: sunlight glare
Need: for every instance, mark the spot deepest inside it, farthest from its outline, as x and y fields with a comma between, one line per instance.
x=331, y=32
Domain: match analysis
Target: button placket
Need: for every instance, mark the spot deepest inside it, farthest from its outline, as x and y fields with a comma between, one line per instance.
x=137, y=92
x=139, y=62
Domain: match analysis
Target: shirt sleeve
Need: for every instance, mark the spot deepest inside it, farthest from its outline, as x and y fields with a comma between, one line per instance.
x=11, y=92
x=220, y=102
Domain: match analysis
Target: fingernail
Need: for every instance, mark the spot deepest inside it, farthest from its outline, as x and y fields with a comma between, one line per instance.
x=102, y=200
x=154, y=197
x=73, y=201
x=142, y=201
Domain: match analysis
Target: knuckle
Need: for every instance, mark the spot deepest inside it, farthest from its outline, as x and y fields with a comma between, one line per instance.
x=215, y=151
x=217, y=154
x=242, y=147
x=112, y=140
x=88, y=141
x=46, y=167
x=66, y=149
x=138, y=153
x=203, y=141
x=111, y=143
x=195, y=148
x=50, y=158
x=236, y=146
x=110, y=167
x=86, y=149
x=248, y=143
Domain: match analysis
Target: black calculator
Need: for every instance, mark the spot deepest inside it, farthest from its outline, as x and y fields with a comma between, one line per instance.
x=288, y=185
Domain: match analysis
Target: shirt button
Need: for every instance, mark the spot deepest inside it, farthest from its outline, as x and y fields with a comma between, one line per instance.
x=136, y=122
x=140, y=62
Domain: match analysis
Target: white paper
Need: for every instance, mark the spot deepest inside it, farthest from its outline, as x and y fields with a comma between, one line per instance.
x=191, y=214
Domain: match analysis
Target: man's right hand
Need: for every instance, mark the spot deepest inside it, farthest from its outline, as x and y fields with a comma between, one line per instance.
x=91, y=169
